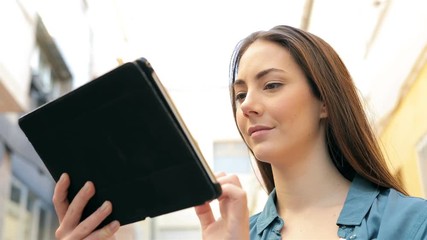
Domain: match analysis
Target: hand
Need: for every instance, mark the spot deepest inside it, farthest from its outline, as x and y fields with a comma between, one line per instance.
x=234, y=221
x=69, y=214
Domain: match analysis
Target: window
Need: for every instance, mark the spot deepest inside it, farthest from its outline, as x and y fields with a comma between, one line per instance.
x=231, y=157
x=15, y=194
x=41, y=79
x=422, y=160
x=26, y=216
x=50, y=76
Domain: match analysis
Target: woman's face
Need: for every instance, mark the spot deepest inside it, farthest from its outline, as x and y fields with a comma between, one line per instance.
x=276, y=112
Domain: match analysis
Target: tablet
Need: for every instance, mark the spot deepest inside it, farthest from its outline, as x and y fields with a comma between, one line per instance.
x=122, y=132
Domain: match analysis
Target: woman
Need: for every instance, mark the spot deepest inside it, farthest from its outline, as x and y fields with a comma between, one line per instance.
x=298, y=111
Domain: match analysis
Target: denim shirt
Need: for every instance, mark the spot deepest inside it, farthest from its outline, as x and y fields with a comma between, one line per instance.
x=369, y=212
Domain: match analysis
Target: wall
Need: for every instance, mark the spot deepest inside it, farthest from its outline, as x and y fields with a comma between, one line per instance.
x=5, y=179
x=405, y=128
x=393, y=53
x=16, y=26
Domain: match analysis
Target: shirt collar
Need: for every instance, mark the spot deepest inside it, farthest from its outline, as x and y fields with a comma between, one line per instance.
x=268, y=214
x=358, y=202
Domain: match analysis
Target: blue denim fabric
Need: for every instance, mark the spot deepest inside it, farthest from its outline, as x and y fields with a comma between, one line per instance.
x=369, y=212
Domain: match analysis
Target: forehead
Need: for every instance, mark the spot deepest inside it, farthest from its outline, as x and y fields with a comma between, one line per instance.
x=263, y=54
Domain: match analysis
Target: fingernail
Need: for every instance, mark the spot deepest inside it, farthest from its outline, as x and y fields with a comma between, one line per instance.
x=104, y=206
x=86, y=187
x=114, y=225
x=61, y=178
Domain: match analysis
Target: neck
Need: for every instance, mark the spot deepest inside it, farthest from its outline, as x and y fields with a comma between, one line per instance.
x=310, y=182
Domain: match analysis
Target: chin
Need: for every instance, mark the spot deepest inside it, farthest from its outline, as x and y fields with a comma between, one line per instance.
x=270, y=153
x=263, y=155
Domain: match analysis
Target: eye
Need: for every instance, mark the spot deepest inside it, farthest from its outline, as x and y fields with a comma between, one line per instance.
x=240, y=96
x=272, y=85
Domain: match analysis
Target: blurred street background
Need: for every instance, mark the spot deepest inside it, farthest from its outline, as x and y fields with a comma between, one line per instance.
x=48, y=48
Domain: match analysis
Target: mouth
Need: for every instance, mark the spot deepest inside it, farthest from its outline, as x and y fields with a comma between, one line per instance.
x=257, y=128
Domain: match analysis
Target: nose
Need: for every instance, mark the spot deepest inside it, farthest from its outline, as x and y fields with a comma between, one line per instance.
x=251, y=105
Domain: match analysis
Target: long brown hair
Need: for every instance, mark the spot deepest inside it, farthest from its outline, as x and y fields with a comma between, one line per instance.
x=351, y=142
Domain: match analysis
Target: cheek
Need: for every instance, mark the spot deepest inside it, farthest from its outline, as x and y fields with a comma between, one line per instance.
x=240, y=122
x=283, y=110
x=292, y=111
x=242, y=125
x=302, y=115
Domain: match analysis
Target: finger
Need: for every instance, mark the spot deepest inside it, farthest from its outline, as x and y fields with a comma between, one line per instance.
x=73, y=215
x=233, y=202
x=230, y=179
x=233, y=192
x=220, y=174
x=87, y=226
x=59, y=199
x=205, y=215
x=106, y=232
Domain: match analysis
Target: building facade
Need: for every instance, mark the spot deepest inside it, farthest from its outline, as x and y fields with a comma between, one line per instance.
x=33, y=70
x=386, y=55
x=404, y=131
x=395, y=72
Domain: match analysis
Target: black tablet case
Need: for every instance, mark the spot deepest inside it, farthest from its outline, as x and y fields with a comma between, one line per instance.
x=122, y=131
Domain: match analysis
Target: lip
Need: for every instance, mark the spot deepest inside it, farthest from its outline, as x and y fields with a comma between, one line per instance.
x=257, y=128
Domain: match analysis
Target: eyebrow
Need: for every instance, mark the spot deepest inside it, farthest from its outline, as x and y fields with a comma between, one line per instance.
x=259, y=75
